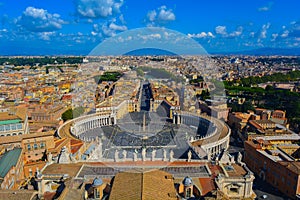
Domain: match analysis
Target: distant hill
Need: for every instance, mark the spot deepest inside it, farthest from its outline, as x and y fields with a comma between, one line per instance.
x=149, y=51
x=266, y=52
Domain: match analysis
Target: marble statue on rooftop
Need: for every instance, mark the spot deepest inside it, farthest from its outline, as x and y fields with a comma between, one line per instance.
x=239, y=157
x=144, y=154
x=189, y=156
x=171, y=155
x=116, y=155
x=135, y=157
x=165, y=155
x=153, y=155
x=124, y=154
x=49, y=157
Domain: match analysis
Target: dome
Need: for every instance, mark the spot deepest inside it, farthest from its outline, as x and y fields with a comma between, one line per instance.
x=97, y=182
x=187, y=181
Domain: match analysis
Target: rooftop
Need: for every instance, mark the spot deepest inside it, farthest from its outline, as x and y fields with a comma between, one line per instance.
x=8, y=160
x=287, y=137
x=143, y=185
x=61, y=169
x=18, y=194
x=19, y=138
x=235, y=170
x=4, y=116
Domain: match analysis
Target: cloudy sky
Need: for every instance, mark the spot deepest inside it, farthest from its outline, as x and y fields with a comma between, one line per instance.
x=75, y=27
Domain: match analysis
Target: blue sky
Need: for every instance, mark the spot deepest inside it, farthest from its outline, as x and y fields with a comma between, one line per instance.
x=45, y=27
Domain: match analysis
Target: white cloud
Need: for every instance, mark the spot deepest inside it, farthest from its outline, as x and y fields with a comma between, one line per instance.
x=94, y=33
x=274, y=36
x=285, y=34
x=110, y=28
x=236, y=33
x=161, y=15
x=201, y=35
x=264, y=30
x=165, y=14
x=46, y=35
x=98, y=8
x=122, y=20
x=39, y=20
x=149, y=36
x=116, y=27
x=151, y=15
x=221, y=30
x=266, y=8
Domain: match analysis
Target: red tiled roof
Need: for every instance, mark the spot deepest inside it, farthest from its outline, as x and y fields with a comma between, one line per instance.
x=207, y=185
x=75, y=148
x=66, y=97
x=76, y=142
x=49, y=195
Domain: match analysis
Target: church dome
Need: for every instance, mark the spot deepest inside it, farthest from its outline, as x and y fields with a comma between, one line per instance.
x=97, y=182
x=187, y=181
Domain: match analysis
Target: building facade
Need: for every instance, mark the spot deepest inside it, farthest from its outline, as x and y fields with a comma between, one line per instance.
x=274, y=165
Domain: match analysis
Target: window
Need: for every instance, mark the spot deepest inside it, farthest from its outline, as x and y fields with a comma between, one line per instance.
x=1, y=128
x=234, y=190
x=7, y=127
x=28, y=147
x=19, y=126
x=42, y=145
x=13, y=127
x=35, y=146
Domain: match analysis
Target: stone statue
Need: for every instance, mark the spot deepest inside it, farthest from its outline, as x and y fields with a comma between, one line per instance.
x=135, y=158
x=153, y=155
x=189, y=156
x=144, y=154
x=171, y=155
x=49, y=157
x=124, y=154
x=37, y=171
x=116, y=155
x=239, y=157
x=165, y=155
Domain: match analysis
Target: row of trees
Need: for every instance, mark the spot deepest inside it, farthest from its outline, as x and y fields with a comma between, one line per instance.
x=269, y=98
x=276, y=77
x=40, y=60
x=108, y=76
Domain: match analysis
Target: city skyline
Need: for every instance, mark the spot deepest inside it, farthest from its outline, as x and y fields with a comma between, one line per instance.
x=76, y=27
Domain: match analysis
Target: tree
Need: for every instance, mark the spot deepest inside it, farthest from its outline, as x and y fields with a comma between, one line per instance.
x=67, y=115
x=72, y=113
